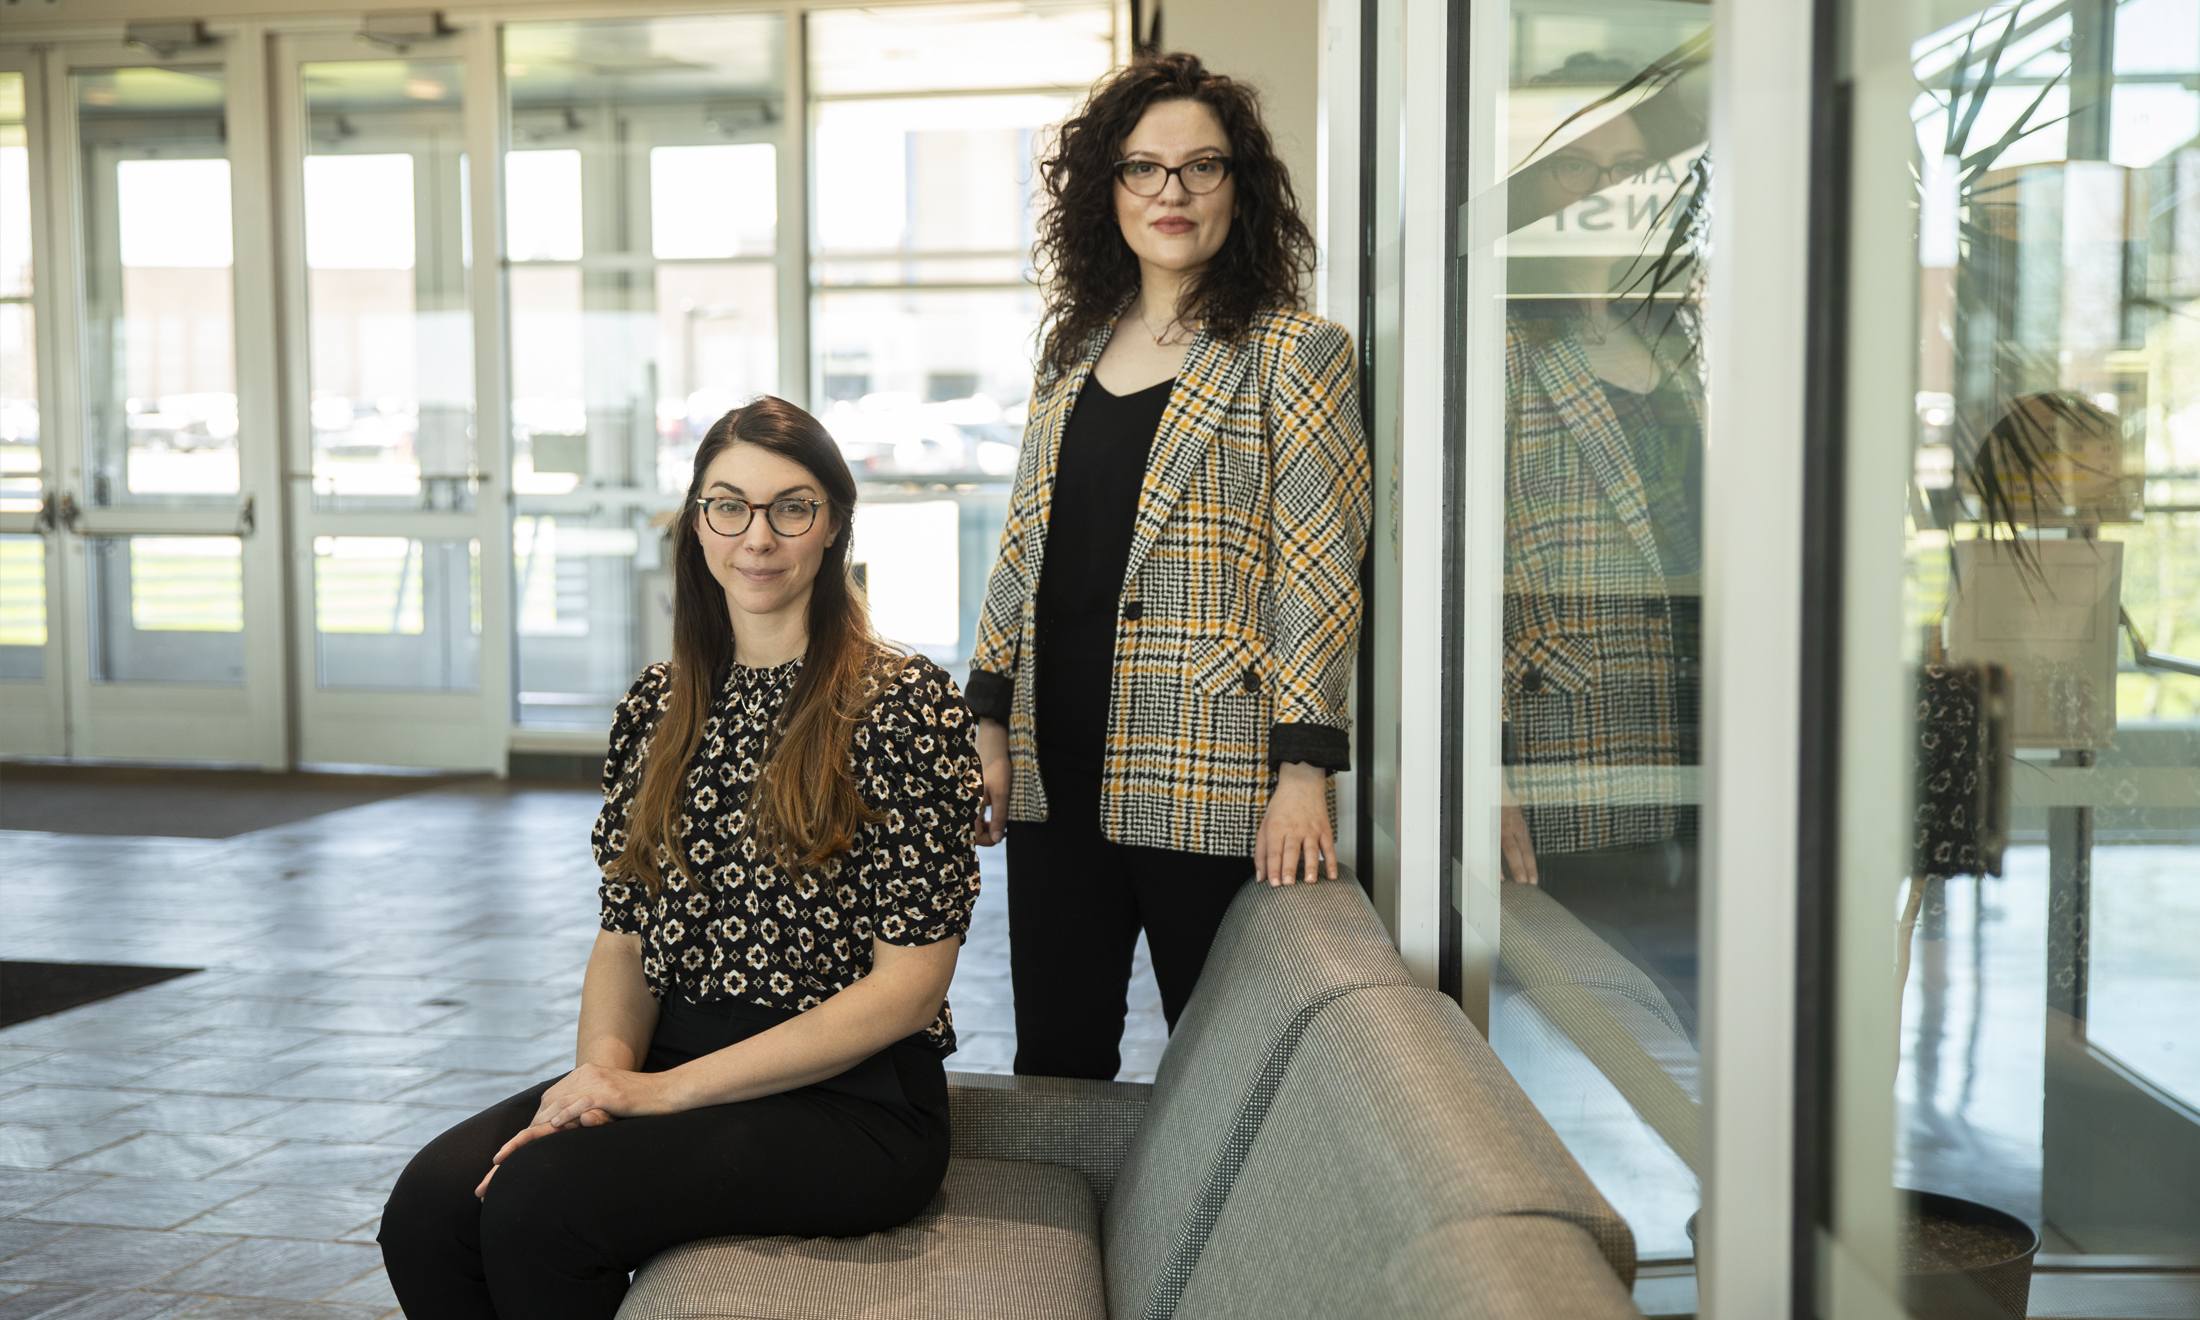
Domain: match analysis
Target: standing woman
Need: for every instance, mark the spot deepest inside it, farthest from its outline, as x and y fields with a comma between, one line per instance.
x=788, y=871
x=1168, y=635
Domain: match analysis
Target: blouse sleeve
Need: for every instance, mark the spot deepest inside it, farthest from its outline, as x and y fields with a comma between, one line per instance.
x=919, y=863
x=625, y=908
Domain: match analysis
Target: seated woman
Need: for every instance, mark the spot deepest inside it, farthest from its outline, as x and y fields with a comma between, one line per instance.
x=788, y=870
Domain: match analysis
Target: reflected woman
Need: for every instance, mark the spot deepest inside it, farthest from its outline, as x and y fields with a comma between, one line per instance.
x=1603, y=560
x=788, y=874
x=1166, y=642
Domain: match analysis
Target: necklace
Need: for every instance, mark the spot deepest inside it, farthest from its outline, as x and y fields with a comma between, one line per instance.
x=1161, y=337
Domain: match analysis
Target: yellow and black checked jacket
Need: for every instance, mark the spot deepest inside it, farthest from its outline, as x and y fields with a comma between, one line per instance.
x=1596, y=690
x=1241, y=604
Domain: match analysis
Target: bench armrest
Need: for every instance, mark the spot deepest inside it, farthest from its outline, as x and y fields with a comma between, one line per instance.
x=1083, y=1125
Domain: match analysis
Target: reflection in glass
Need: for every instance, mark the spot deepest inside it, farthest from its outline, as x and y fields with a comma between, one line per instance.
x=23, y=607
x=166, y=609
x=393, y=612
x=159, y=299
x=391, y=338
x=21, y=478
x=1600, y=421
x=2053, y=556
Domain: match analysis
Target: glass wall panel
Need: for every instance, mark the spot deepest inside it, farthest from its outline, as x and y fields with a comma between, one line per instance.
x=642, y=240
x=576, y=593
x=166, y=609
x=159, y=300
x=2049, y=1056
x=22, y=478
x=23, y=607
x=387, y=271
x=1582, y=338
x=397, y=613
x=929, y=121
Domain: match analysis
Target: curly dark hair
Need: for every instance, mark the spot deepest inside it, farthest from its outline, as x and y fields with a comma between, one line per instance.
x=1087, y=266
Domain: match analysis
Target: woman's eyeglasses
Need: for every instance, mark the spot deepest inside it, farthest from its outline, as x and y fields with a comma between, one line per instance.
x=1579, y=174
x=731, y=517
x=1146, y=178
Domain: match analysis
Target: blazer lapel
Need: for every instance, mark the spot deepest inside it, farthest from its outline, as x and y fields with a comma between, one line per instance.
x=1205, y=386
x=1571, y=385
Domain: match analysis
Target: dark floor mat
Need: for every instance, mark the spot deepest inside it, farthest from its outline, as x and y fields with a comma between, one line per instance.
x=32, y=989
x=181, y=804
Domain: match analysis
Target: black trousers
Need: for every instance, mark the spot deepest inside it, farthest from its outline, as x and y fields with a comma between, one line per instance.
x=1076, y=902
x=569, y=1216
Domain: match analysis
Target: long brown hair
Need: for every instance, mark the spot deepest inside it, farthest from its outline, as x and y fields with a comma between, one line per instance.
x=804, y=807
x=1088, y=267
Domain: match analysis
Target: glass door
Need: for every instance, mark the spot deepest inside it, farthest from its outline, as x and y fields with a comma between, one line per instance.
x=645, y=257
x=396, y=514
x=156, y=446
x=33, y=713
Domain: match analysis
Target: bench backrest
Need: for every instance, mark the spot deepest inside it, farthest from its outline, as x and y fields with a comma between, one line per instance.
x=1393, y=1121
x=1280, y=955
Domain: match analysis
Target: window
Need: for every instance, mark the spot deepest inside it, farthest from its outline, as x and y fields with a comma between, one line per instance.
x=929, y=125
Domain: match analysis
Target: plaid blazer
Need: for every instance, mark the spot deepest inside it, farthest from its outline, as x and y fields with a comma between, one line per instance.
x=1241, y=603
x=1593, y=679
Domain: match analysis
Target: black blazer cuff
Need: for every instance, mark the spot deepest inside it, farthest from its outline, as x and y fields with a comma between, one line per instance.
x=991, y=696
x=1315, y=744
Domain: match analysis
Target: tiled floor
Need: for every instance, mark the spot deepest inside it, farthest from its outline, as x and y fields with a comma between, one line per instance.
x=219, y=1146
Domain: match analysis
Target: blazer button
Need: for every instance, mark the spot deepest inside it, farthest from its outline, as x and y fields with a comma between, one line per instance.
x=1531, y=680
x=1134, y=611
x=1252, y=679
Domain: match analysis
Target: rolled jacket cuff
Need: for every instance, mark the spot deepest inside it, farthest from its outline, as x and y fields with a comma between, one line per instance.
x=991, y=696
x=1314, y=744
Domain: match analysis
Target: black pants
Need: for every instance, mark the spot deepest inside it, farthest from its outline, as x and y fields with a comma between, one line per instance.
x=1076, y=902
x=569, y=1216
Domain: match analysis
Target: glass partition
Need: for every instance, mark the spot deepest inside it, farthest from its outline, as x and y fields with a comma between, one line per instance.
x=394, y=612
x=2045, y=608
x=22, y=476
x=159, y=298
x=1579, y=411
x=387, y=268
x=642, y=203
x=166, y=609
x=929, y=122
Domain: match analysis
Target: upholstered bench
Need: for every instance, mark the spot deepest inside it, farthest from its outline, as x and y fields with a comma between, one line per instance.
x=1323, y=1139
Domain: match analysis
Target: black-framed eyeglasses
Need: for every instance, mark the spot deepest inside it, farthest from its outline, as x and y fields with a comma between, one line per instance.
x=731, y=517
x=1147, y=178
x=1580, y=174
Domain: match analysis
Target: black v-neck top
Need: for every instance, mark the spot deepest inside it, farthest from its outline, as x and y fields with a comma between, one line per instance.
x=1090, y=525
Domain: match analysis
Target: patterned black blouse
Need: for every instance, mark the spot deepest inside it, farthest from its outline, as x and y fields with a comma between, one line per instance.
x=751, y=931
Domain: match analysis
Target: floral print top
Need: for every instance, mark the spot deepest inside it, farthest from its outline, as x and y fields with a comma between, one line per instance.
x=747, y=929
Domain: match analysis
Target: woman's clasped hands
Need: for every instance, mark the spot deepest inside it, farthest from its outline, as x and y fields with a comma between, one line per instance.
x=590, y=1096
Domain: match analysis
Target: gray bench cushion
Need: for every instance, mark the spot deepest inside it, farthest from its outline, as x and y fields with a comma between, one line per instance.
x=1518, y=1267
x=1002, y=1241
x=1279, y=955
x=1392, y=1120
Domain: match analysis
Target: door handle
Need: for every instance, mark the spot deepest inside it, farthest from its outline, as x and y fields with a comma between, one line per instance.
x=57, y=511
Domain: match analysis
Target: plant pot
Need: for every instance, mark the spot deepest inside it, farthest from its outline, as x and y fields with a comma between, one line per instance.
x=1990, y=1281
x=1964, y=1261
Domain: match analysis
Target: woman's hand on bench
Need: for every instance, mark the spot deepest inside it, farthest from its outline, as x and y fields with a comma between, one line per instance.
x=1295, y=828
